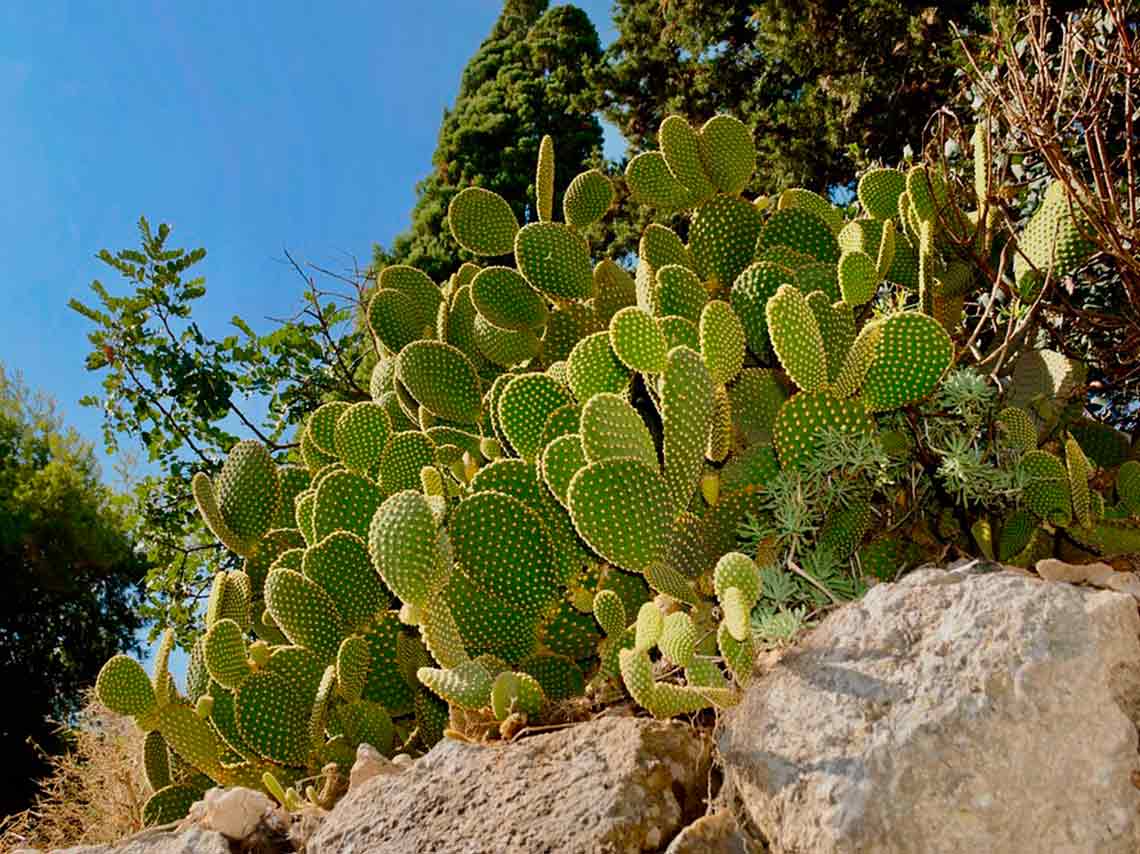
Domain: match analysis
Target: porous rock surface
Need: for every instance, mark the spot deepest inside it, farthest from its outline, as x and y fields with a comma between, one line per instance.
x=610, y=786
x=952, y=711
x=194, y=840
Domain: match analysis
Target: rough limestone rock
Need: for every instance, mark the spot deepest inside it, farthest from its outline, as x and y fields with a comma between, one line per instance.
x=234, y=813
x=949, y=712
x=195, y=840
x=716, y=833
x=610, y=786
x=370, y=763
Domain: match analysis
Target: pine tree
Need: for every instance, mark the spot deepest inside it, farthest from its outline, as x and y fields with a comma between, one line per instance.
x=528, y=78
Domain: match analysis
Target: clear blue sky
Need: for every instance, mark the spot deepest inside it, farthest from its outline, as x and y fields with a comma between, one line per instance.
x=250, y=127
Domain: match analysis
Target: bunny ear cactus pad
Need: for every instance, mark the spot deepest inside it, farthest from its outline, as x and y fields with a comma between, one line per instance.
x=621, y=508
x=680, y=146
x=393, y=317
x=587, y=199
x=805, y=414
x=504, y=347
x=879, y=191
x=560, y=462
x=614, y=289
x=506, y=299
x=273, y=720
x=728, y=153
x=1128, y=486
x=1051, y=243
x=686, y=415
x=914, y=353
x=837, y=326
x=802, y=231
x=226, y=654
x=408, y=452
x=680, y=292
x=638, y=341
x=240, y=504
x=482, y=222
x=361, y=435
x=402, y=543
x=1047, y=492
x=611, y=429
x=593, y=368
x=304, y=612
x=858, y=277
x=722, y=238
x=524, y=405
x=544, y=180
x=345, y=502
x=722, y=341
x=555, y=260
x=651, y=183
x=124, y=688
x=813, y=203
x=442, y=379
x=340, y=564
x=660, y=246
x=417, y=285
x=796, y=338
x=749, y=299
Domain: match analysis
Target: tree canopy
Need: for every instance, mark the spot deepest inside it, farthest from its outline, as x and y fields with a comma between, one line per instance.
x=72, y=580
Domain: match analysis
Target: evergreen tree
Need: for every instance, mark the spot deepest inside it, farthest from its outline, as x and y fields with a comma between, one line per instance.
x=530, y=77
x=826, y=87
x=72, y=579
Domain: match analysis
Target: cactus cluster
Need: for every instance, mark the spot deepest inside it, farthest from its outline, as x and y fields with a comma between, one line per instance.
x=545, y=490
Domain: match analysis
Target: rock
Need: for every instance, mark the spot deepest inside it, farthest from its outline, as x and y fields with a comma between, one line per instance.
x=235, y=812
x=717, y=833
x=195, y=840
x=370, y=763
x=949, y=712
x=610, y=785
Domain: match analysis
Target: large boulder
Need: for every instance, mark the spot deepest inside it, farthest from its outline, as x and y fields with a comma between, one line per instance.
x=612, y=785
x=193, y=840
x=953, y=711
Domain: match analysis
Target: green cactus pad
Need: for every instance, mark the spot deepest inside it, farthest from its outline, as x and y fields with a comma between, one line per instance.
x=304, y=612
x=341, y=565
x=504, y=347
x=468, y=685
x=484, y=624
x=737, y=570
x=796, y=338
x=1015, y=535
x=686, y=411
x=523, y=407
x=637, y=340
x=230, y=595
x=294, y=480
x=555, y=260
x=802, y=417
x=226, y=654
x=385, y=682
x=904, y=263
x=738, y=651
x=648, y=625
x=1128, y=486
x=402, y=543
x=728, y=153
x=506, y=299
x=858, y=277
x=911, y=358
x=240, y=504
x=442, y=379
x=408, y=452
x=417, y=285
x=568, y=324
x=505, y=549
x=460, y=332
x=306, y=504
x=722, y=238
x=587, y=198
x=1050, y=243
x=272, y=719
x=1079, y=472
x=367, y=723
x=927, y=192
x=482, y=222
x=785, y=256
x=660, y=246
x=393, y=317
x=680, y=146
x=124, y=688
x=544, y=180
x=1017, y=429
x=722, y=341
x=756, y=397
x=651, y=183
x=156, y=760
x=621, y=508
x=361, y=435
x=610, y=613
x=879, y=191
x=801, y=230
x=611, y=429
x=846, y=527
x=679, y=332
x=346, y=502
x=396, y=414
x=190, y=737
x=1102, y=444
x=352, y=661
x=750, y=294
x=593, y=367
x=170, y=803
x=614, y=289
x=837, y=326
x=680, y=292
x=1047, y=490
x=678, y=640
x=813, y=203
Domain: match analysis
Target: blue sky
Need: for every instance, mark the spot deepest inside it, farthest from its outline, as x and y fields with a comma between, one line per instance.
x=250, y=127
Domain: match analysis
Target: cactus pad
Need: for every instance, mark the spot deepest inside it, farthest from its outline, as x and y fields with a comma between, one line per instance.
x=802, y=231
x=722, y=238
x=124, y=688
x=621, y=509
x=587, y=198
x=482, y=222
x=651, y=183
x=441, y=378
x=722, y=341
x=680, y=292
x=555, y=260
x=727, y=153
x=593, y=368
x=611, y=428
x=637, y=341
x=544, y=180
x=796, y=338
x=911, y=358
x=802, y=417
x=506, y=299
x=879, y=191
x=523, y=407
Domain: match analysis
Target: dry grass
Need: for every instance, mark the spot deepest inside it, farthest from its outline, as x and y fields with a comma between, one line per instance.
x=95, y=793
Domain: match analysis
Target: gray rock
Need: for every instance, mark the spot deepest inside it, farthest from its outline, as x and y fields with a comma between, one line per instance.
x=610, y=785
x=949, y=712
x=194, y=840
